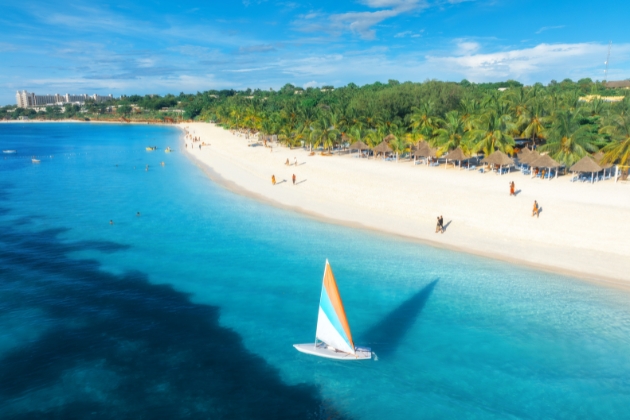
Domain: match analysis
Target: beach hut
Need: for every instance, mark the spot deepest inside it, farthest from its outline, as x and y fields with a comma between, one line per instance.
x=499, y=159
x=424, y=151
x=383, y=147
x=358, y=145
x=458, y=155
x=545, y=162
x=586, y=165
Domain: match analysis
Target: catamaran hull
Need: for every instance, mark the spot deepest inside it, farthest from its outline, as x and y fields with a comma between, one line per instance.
x=362, y=353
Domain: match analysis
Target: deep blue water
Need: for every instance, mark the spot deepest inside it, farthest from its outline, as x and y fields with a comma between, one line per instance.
x=190, y=310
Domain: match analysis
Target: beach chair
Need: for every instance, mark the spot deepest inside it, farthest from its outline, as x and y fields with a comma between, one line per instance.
x=472, y=167
x=434, y=164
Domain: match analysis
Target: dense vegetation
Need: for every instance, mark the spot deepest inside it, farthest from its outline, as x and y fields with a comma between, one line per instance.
x=479, y=118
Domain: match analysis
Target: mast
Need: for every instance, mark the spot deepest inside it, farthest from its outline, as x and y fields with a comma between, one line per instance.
x=607, y=61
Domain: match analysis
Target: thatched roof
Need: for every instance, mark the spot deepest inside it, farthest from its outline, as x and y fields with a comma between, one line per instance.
x=457, y=154
x=382, y=148
x=586, y=164
x=389, y=138
x=358, y=145
x=424, y=150
x=619, y=84
x=530, y=157
x=599, y=156
x=545, y=161
x=498, y=158
x=524, y=152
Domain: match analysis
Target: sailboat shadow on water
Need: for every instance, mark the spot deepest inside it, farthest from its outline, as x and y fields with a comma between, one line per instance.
x=386, y=335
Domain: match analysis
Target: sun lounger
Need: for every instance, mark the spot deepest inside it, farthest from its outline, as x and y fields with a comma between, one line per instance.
x=472, y=167
x=434, y=164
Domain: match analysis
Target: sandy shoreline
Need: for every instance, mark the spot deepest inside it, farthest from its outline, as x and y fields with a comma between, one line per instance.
x=582, y=231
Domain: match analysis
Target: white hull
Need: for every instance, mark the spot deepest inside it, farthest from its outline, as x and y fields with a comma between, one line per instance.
x=321, y=350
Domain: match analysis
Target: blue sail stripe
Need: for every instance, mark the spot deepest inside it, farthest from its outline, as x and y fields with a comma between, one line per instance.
x=331, y=314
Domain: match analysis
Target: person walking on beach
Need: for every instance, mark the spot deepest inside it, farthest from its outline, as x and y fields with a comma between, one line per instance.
x=273, y=179
x=536, y=210
x=512, y=187
x=287, y=162
x=295, y=161
x=440, y=225
x=293, y=179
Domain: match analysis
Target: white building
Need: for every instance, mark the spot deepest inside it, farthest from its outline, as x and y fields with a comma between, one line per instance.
x=26, y=99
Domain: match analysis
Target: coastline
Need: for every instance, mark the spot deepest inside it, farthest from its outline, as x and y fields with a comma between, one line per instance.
x=580, y=233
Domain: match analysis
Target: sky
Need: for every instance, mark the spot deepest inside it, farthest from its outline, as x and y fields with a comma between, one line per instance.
x=159, y=47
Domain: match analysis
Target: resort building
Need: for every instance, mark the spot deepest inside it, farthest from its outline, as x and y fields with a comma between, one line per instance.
x=622, y=84
x=26, y=99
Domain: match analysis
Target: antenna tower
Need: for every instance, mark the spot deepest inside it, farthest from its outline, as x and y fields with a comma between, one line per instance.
x=607, y=61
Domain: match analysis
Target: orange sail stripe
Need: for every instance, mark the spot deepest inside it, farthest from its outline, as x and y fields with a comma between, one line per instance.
x=335, y=298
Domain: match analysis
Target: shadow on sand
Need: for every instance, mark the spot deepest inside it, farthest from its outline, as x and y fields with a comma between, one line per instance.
x=385, y=336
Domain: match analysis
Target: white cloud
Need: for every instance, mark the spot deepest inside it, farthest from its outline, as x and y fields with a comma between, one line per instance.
x=360, y=23
x=312, y=83
x=547, y=28
x=527, y=62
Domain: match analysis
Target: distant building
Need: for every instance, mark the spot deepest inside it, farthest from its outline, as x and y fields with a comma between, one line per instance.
x=622, y=84
x=26, y=99
x=589, y=98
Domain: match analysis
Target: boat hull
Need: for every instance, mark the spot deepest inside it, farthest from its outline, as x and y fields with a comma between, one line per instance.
x=362, y=353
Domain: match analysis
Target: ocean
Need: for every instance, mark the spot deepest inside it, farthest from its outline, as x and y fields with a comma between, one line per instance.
x=190, y=309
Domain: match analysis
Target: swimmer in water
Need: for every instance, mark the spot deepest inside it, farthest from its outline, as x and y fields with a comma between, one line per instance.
x=138, y=213
x=111, y=222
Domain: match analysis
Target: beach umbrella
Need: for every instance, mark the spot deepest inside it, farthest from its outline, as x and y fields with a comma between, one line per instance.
x=424, y=150
x=529, y=158
x=524, y=152
x=457, y=154
x=389, y=138
x=358, y=145
x=383, y=147
x=545, y=161
x=498, y=158
x=599, y=156
x=586, y=164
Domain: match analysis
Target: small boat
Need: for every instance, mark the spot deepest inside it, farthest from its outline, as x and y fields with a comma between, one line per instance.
x=9, y=151
x=35, y=160
x=151, y=148
x=333, y=338
x=168, y=150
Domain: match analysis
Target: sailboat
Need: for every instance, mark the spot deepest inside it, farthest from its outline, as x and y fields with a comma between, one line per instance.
x=333, y=338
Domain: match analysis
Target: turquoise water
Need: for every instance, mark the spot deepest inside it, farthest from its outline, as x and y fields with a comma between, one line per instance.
x=190, y=310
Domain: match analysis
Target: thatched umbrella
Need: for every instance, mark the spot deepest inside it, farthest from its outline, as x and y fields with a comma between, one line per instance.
x=358, y=145
x=389, y=138
x=545, y=161
x=529, y=158
x=424, y=150
x=524, y=152
x=383, y=147
x=586, y=164
x=498, y=158
x=457, y=154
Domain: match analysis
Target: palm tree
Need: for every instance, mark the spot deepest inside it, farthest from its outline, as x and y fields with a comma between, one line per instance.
x=325, y=133
x=619, y=150
x=399, y=144
x=569, y=141
x=423, y=119
x=493, y=132
x=533, y=121
x=451, y=133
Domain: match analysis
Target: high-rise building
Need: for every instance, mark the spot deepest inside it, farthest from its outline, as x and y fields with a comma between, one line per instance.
x=26, y=99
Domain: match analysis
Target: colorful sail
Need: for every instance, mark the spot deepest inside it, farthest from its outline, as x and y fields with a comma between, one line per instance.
x=332, y=323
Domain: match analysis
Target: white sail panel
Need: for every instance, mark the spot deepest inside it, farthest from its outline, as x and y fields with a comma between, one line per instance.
x=327, y=333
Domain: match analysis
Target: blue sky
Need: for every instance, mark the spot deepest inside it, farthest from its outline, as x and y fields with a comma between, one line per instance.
x=173, y=46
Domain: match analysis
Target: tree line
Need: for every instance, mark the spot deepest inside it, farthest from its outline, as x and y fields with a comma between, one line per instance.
x=566, y=119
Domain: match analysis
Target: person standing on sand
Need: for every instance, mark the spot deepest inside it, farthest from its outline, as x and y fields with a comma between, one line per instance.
x=536, y=210
x=293, y=179
x=273, y=179
x=438, y=227
x=512, y=187
x=287, y=162
x=295, y=161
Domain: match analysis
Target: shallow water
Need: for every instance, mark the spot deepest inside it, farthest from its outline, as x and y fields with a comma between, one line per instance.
x=190, y=310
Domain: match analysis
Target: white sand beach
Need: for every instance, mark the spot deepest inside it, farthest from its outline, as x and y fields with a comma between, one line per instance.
x=583, y=229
